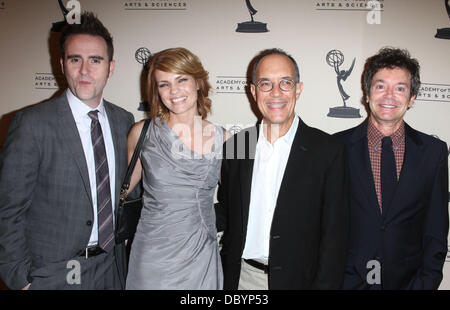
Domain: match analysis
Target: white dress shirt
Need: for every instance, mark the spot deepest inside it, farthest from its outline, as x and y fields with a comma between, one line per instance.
x=80, y=113
x=268, y=170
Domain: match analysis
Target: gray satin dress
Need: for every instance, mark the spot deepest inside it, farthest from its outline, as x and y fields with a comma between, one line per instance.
x=175, y=246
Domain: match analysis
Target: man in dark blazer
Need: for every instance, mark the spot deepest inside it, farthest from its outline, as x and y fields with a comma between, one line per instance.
x=283, y=194
x=398, y=229
x=54, y=233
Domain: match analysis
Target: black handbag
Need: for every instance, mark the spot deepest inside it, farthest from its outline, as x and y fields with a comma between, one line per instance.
x=129, y=210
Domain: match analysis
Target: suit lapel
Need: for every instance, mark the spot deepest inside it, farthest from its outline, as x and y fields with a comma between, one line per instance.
x=359, y=158
x=246, y=173
x=411, y=162
x=71, y=138
x=297, y=160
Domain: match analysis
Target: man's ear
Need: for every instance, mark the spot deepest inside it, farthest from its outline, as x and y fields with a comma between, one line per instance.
x=61, y=62
x=253, y=91
x=112, y=65
x=411, y=102
x=298, y=90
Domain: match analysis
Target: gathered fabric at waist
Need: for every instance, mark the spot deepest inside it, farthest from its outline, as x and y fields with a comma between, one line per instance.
x=171, y=215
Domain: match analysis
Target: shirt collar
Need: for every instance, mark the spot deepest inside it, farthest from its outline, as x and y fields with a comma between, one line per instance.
x=287, y=138
x=80, y=110
x=398, y=137
x=374, y=135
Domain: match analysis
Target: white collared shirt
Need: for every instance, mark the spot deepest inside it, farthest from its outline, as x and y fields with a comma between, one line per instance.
x=80, y=113
x=268, y=170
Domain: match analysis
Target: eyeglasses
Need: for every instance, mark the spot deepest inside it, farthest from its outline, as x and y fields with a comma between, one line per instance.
x=266, y=85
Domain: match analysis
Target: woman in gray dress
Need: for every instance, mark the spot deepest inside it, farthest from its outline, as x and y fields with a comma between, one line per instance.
x=175, y=246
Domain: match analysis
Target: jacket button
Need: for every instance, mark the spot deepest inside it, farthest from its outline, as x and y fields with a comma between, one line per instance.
x=275, y=237
x=383, y=228
x=89, y=223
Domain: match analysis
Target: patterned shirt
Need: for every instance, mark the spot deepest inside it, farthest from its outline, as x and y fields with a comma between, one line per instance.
x=374, y=142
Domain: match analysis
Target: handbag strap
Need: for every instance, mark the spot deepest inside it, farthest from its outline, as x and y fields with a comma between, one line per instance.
x=137, y=150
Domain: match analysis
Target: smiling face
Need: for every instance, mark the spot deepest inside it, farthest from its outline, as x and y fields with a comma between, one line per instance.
x=86, y=67
x=390, y=97
x=178, y=92
x=276, y=106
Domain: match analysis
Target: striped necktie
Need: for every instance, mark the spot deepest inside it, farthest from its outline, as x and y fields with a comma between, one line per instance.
x=104, y=205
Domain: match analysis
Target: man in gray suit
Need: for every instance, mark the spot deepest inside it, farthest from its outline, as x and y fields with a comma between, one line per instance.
x=61, y=170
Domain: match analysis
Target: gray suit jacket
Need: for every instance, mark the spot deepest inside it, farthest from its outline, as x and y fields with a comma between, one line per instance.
x=46, y=211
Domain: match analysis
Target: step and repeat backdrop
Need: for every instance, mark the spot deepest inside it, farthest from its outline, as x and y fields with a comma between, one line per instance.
x=330, y=39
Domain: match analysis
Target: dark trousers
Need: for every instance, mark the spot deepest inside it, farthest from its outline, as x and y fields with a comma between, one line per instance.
x=95, y=273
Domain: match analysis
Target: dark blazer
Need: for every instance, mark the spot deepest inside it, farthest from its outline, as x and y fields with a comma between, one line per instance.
x=409, y=238
x=308, y=239
x=46, y=211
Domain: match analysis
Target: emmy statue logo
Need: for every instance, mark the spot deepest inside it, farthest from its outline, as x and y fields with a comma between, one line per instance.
x=335, y=59
x=444, y=33
x=142, y=56
x=70, y=17
x=251, y=26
